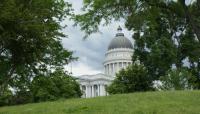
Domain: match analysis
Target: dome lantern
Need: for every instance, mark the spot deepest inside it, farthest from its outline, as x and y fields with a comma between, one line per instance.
x=119, y=29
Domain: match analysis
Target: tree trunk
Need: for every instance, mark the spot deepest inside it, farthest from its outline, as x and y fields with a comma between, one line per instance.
x=190, y=20
x=4, y=84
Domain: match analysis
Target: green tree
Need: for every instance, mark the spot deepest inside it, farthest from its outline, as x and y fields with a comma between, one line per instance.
x=54, y=86
x=132, y=79
x=177, y=79
x=30, y=40
x=166, y=32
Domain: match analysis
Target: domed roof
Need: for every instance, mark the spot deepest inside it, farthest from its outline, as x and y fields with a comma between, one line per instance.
x=120, y=41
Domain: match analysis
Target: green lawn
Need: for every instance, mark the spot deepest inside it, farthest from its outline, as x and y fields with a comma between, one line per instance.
x=177, y=102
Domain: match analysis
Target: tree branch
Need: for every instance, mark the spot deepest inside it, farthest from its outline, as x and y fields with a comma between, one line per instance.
x=190, y=19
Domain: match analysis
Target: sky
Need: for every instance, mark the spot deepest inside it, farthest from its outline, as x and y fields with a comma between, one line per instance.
x=91, y=51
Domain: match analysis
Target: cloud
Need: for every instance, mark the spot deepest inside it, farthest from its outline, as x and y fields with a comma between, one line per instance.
x=91, y=52
x=81, y=69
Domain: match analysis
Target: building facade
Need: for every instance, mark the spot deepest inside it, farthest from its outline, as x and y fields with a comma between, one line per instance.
x=117, y=57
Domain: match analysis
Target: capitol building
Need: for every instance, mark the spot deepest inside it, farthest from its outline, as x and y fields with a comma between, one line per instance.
x=118, y=56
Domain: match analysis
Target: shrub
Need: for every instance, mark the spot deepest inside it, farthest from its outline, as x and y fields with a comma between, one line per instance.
x=133, y=78
x=55, y=86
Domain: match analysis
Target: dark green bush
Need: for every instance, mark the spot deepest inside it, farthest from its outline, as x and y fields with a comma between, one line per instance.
x=132, y=79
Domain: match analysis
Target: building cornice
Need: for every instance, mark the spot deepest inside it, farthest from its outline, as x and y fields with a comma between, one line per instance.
x=116, y=61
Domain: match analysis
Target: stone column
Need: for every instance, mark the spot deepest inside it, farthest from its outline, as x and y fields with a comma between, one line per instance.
x=108, y=69
x=113, y=66
x=117, y=69
x=92, y=91
x=87, y=91
x=103, y=89
x=105, y=69
x=99, y=90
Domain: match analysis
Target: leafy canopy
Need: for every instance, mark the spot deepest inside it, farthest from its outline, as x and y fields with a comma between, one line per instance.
x=166, y=32
x=30, y=39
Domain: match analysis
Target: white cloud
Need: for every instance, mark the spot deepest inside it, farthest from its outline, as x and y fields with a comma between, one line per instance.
x=81, y=69
x=92, y=50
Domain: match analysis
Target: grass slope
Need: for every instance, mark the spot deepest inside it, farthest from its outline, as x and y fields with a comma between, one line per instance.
x=176, y=102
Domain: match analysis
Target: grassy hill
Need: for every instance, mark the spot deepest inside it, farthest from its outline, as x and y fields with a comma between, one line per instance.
x=177, y=102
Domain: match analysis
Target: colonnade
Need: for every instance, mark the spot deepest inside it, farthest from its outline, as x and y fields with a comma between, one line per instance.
x=93, y=90
x=112, y=68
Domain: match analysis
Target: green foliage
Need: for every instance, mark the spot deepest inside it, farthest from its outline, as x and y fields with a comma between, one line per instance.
x=132, y=79
x=49, y=87
x=98, y=11
x=54, y=86
x=177, y=79
x=6, y=98
x=30, y=39
x=169, y=102
x=166, y=32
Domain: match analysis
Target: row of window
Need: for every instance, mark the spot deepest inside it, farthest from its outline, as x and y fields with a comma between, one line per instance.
x=119, y=55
